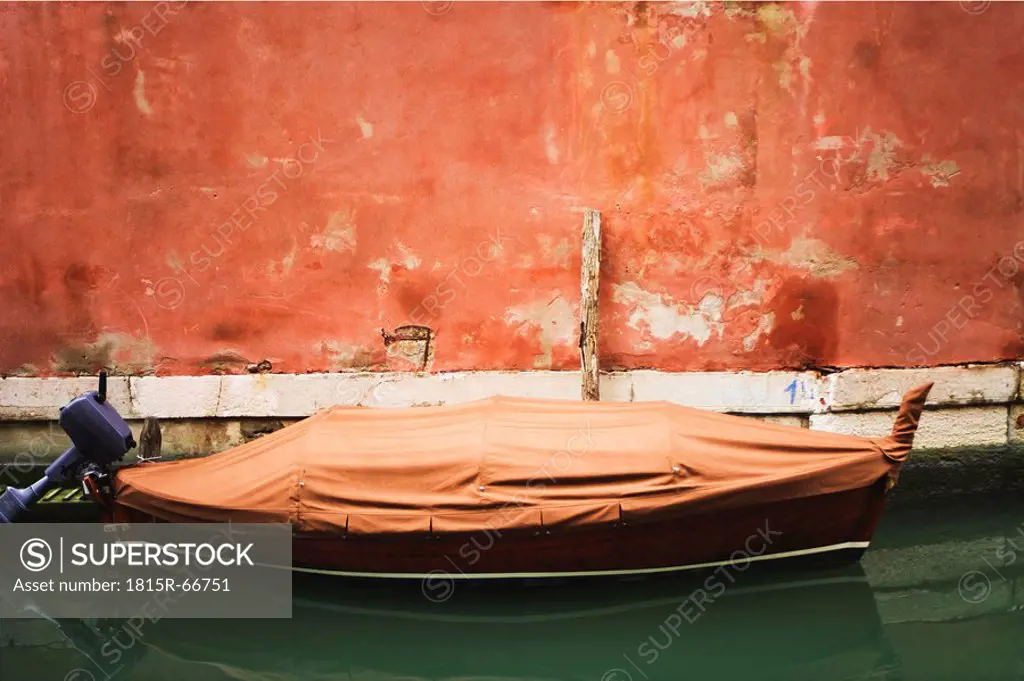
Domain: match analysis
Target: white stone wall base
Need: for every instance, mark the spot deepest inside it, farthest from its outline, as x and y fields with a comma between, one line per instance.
x=969, y=406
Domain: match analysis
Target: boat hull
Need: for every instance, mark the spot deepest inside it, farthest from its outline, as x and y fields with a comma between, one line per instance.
x=817, y=530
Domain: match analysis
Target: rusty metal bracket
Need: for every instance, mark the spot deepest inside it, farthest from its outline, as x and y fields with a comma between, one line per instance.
x=413, y=333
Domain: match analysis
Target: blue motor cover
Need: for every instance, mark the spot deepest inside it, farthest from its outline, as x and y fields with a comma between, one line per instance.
x=96, y=429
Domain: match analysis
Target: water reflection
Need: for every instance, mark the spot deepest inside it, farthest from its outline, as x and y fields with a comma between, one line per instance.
x=760, y=627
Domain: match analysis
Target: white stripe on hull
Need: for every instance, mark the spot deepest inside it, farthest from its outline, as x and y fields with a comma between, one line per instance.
x=441, y=574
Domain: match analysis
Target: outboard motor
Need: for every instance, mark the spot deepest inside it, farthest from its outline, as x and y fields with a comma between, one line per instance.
x=99, y=437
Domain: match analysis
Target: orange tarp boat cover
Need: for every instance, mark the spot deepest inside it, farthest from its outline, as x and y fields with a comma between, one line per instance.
x=505, y=463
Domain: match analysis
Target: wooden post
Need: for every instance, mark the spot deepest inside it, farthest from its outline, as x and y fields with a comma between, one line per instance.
x=150, y=440
x=589, y=272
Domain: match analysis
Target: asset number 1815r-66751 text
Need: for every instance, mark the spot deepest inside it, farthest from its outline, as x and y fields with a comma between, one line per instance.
x=177, y=585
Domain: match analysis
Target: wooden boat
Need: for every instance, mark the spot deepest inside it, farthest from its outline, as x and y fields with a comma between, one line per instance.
x=508, y=488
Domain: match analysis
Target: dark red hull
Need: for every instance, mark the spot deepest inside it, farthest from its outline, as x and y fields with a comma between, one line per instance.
x=828, y=529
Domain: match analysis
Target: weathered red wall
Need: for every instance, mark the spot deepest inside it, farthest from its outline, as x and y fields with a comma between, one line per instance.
x=782, y=185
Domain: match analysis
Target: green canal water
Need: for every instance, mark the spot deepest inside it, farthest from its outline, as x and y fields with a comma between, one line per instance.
x=940, y=595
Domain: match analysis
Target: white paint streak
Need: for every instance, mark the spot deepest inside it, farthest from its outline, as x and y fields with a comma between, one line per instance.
x=611, y=62
x=139, y=93
x=550, y=148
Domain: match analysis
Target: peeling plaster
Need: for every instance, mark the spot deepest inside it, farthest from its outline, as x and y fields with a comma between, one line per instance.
x=120, y=352
x=785, y=71
x=409, y=259
x=346, y=355
x=287, y=263
x=882, y=157
x=878, y=153
x=691, y=10
x=665, y=319
x=555, y=321
x=940, y=173
x=555, y=253
x=813, y=255
x=225, y=361
x=721, y=168
x=794, y=62
x=365, y=128
x=754, y=296
x=340, y=233
x=779, y=20
x=383, y=266
x=764, y=327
